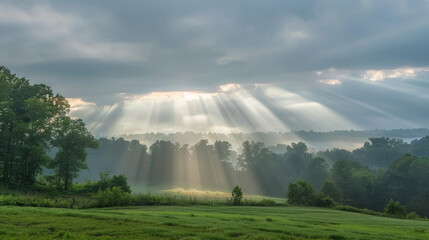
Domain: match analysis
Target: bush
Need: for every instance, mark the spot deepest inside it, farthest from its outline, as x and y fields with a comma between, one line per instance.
x=413, y=215
x=31, y=201
x=104, y=183
x=349, y=208
x=320, y=200
x=119, y=181
x=267, y=202
x=394, y=209
x=237, y=195
x=112, y=197
x=300, y=193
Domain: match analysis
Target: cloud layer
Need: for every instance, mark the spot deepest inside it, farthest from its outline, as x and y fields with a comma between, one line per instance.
x=319, y=49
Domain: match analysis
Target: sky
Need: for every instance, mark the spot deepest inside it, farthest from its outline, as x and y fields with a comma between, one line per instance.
x=226, y=66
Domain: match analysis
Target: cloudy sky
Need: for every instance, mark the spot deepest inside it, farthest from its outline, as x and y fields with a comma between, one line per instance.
x=138, y=66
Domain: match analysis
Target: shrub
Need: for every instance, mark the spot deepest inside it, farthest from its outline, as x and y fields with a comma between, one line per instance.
x=112, y=197
x=395, y=209
x=237, y=195
x=31, y=201
x=412, y=215
x=104, y=183
x=320, y=200
x=349, y=208
x=267, y=202
x=146, y=199
x=300, y=193
x=13, y=200
x=120, y=181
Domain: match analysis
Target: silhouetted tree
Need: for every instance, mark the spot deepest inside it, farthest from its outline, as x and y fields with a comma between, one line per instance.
x=72, y=139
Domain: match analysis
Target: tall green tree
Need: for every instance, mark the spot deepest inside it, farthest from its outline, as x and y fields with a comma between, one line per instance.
x=316, y=172
x=27, y=114
x=72, y=139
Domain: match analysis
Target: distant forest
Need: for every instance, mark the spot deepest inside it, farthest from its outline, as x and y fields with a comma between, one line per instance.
x=367, y=177
x=347, y=139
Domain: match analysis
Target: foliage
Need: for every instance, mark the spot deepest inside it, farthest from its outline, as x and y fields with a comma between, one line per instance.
x=412, y=215
x=111, y=197
x=407, y=181
x=32, y=119
x=315, y=172
x=106, y=182
x=349, y=181
x=330, y=189
x=320, y=200
x=394, y=208
x=27, y=114
x=349, y=208
x=33, y=201
x=380, y=151
x=300, y=193
x=72, y=139
x=236, y=195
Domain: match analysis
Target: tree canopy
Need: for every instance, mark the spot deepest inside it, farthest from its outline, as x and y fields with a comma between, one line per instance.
x=31, y=116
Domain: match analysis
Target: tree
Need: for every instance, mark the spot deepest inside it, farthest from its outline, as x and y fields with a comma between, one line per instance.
x=223, y=150
x=27, y=114
x=162, y=156
x=237, y=195
x=300, y=193
x=381, y=151
x=316, y=172
x=406, y=180
x=420, y=147
x=336, y=154
x=296, y=159
x=263, y=166
x=330, y=189
x=72, y=139
x=394, y=208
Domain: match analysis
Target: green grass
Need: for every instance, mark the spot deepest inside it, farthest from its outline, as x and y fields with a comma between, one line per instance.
x=202, y=222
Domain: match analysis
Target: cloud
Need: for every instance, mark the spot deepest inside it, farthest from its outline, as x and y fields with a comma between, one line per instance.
x=330, y=81
x=53, y=34
x=81, y=108
x=229, y=87
x=379, y=75
x=94, y=51
x=231, y=57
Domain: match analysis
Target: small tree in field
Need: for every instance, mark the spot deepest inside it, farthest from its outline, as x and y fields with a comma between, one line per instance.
x=300, y=193
x=237, y=195
x=394, y=208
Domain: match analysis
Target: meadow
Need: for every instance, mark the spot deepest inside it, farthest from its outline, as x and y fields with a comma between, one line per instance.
x=202, y=222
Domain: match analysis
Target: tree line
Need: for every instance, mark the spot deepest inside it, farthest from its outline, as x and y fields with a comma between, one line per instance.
x=33, y=120
x=367, y=177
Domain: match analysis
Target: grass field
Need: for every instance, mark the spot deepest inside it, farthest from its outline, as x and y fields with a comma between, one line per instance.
x=202, y=222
